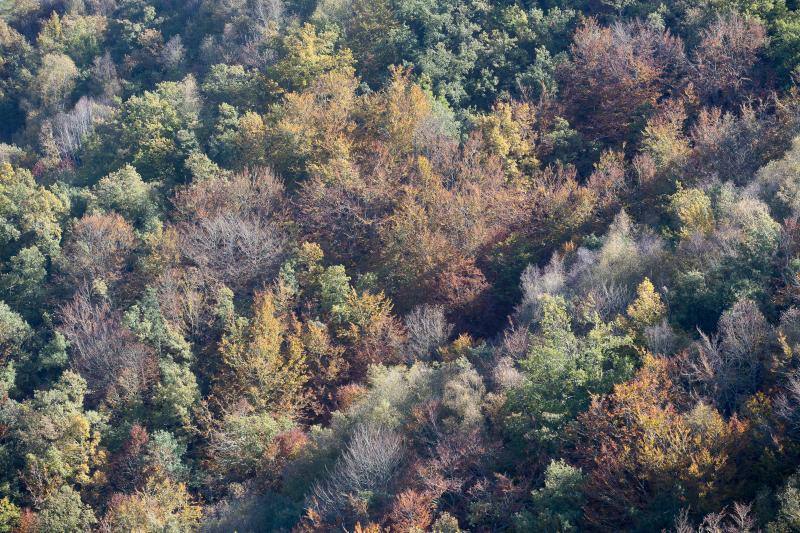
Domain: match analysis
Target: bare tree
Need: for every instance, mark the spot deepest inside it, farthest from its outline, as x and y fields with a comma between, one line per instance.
x=368, y=464
x=185, y=300
x=103, y=351
x=610, y=299
x=233, y=250
x=232, y=228
x=737, y=520
x=516, y=342
x=661, y=339
x=104, y=74
x=11, y=153
x=268, y=11
x=740, y=518
x=506, y=375
x=729, y=366
x=101, y=7
x=428, y=329
x=745, y=332
x=787, y=404
x=70, y=129
x=682, y=522
x=535, y=282
x=172, y=54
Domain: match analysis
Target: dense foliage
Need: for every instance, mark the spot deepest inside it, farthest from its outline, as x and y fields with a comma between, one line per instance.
x=399, y=265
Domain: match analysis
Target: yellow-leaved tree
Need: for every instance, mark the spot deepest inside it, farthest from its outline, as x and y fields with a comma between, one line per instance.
x=260, y=362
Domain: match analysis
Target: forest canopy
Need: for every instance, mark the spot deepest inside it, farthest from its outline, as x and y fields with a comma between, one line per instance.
x=399, y=265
